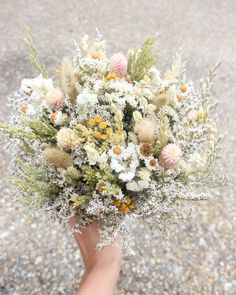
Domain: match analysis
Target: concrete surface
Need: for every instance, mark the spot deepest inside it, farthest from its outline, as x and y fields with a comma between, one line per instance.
x=199, y=257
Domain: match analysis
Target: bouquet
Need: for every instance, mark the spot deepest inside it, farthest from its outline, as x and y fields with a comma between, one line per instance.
x=111, y=138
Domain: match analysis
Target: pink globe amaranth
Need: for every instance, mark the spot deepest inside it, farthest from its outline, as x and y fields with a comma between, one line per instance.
x=55, y=99
x=118, y=65
x=170, y=156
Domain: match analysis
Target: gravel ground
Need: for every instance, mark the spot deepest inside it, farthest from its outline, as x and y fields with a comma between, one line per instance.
x=199, y=256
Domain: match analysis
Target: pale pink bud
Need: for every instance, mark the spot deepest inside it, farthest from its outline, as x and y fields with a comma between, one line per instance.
x=55, y=99
x=170, y=156
x=118, y=64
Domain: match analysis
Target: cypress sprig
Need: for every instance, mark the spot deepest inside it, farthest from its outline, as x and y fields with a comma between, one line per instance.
x=40, y=127
x=141, y=60
x=32, y=181
x=17, y=132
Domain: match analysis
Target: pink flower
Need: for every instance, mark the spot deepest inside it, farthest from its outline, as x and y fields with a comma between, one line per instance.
x=55, y=99
x=170, y=156
x=118, y=64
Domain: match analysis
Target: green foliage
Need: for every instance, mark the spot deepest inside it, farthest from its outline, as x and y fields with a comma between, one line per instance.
x=141, y=60
x=34, y=56
x=164, y=135
x=206, y=86
x=17, y=132
x=203, y=173
x=93, y=175
x=32, y=182
x=40, y=127
x=79, y=200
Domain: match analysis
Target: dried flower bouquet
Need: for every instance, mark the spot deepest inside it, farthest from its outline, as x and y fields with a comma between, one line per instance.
x=112, y=138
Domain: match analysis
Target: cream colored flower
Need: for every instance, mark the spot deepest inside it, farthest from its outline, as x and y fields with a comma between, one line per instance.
x=137, y=186
x=144, y=174
x=87, y=98
x=92, y=154
x=151, y=163
x=164, y=98
x=36, y=88
x=67, y=139
x=84, y=43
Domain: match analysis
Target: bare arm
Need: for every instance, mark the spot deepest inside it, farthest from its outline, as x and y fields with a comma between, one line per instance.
x=102, y=267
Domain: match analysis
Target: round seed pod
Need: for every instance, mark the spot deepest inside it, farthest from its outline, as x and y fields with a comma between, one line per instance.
x=57, y=157
x=146, y=131
x=73, y=173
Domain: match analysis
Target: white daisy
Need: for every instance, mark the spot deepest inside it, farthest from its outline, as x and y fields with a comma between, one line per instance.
x=92, y=154
x=151, y=163
x=86, y=98
x=37, y=88
x=137, y=186
x=124, y=161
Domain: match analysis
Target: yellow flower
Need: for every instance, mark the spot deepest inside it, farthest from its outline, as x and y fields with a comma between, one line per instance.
x=126, y=205
x=104, y=136
x=117, y=203
x=132, y=206
x=128, y=200
x=97, y=135
x=98, y=119
x=111, y=76
x=180, y=97
x=53, y=117
x=183, y=88
x=109, y=131
x=119, y=132
x=91, y=122
x=102, y=125
x=124, y=208
x=24, y=108
x=117, y=150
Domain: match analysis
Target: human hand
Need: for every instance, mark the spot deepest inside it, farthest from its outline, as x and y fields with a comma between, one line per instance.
x=102, y=267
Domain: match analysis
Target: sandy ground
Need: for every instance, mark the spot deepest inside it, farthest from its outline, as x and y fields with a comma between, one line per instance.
x=199, y=257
